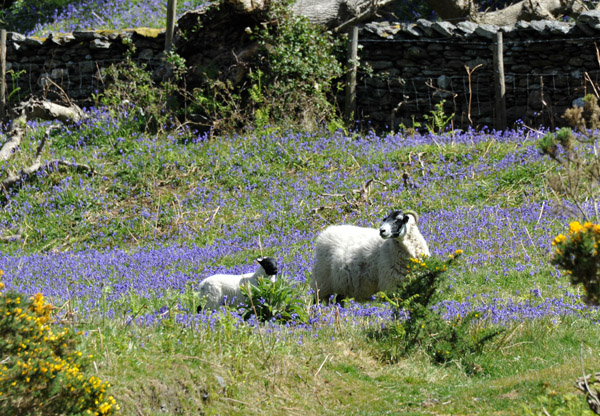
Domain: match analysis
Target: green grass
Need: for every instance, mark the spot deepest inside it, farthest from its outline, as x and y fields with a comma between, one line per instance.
x=229, y=371
x=154, y=190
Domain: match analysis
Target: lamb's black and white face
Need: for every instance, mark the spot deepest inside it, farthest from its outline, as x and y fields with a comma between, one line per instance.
x=269, y=264
x=394, y=225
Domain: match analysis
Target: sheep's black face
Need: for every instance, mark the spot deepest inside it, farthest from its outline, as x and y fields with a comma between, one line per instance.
x=269, y=264
x=394, y=225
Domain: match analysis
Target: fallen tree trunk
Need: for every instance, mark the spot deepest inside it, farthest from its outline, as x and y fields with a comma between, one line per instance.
x=46, y=110
x=522, y=10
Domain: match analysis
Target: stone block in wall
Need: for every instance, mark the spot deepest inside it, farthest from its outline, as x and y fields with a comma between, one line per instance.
x=576, y=62
x=86, y=67
x=455, y=65
x=453, y=54
x=434, y=48
x=98, y=44
x=409, y=71
x=148, y=54
x=486, y=30
x=416, y=52
x=587, y=58
x=472, y=63
x=444, y=28
x=520, y=68
x=426, y=27
x=86, y=35
x=468, y=28
x=379, y=65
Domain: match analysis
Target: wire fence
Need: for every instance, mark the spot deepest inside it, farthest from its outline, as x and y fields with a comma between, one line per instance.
x=411, y=76
x=79, y=80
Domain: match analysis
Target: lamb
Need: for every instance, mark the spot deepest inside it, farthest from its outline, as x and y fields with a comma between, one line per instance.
x=357, y=262
x=219, y=289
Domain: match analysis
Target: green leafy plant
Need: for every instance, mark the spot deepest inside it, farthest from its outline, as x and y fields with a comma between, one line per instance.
x=459, y=339
x=437, y=121
x=551, y=403
x=297, y=71
x=42, y=372
x=129, y=83
x=578, y=176
x=15, y=89
x=278, y=301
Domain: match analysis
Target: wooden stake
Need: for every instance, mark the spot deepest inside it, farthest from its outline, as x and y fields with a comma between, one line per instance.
x=350, y=102
x=500, y=120
x=171, y=12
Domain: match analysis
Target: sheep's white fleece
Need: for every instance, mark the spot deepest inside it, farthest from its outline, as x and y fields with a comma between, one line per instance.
x=356, y=262
x=214, y=289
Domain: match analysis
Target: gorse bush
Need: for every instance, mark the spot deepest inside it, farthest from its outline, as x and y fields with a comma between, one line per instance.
x=41, y=371
x=584, y=117
x=578, y=254
x=275, y=301
x=457, y=339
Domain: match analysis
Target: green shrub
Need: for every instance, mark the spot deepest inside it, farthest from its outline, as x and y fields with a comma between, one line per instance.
x=459, y=339
x=578, y=176
x=41, y=371
x=278, y=301
x=298, y=68
x=151, y=105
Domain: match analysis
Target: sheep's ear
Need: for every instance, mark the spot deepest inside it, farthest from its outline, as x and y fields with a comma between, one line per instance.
x=405, y=219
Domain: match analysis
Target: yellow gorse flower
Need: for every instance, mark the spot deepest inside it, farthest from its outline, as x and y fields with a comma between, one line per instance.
x=575, y=227
x=559, y=239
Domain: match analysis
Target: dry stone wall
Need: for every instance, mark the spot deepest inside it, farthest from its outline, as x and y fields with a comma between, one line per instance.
x=547, y=64
x=73, y=62
x=406, y=69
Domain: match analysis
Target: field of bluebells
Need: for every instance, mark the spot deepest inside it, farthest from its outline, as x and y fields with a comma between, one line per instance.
x=120, y=253
x=122, y=250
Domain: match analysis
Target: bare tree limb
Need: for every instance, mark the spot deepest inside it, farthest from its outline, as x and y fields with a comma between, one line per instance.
x=46, y=110
x=15, y=135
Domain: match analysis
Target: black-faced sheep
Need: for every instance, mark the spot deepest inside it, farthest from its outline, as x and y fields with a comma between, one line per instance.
x=357, y=262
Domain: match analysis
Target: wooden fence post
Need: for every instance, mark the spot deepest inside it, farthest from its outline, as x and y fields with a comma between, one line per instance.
x=2, y=73
x=500, y=88
x=171, y=13
x=350, y=101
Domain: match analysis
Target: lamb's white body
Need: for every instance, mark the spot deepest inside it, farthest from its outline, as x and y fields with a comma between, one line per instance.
x=358, y=262
x=219, y=289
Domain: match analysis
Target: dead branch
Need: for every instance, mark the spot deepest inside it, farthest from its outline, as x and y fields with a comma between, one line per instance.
x=469, y=73
x=35, y=108
x=15, y=134
x=14, y=237
x=591, y=395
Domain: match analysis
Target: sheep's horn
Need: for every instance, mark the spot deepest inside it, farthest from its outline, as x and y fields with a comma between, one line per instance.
x=413, y=213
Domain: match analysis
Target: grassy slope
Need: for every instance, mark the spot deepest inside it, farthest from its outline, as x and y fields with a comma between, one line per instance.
x=487, y=197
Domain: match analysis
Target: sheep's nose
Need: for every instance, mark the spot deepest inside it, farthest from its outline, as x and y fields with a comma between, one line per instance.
x=382, y=233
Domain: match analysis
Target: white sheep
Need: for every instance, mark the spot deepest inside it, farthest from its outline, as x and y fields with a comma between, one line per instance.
x=219, y=289
x=357, y=262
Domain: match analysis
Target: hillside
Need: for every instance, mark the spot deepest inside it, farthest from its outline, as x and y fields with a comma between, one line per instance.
x=120, y=247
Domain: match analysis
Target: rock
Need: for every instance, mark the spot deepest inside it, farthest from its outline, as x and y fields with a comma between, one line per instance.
x=467, y=28
x=97, y=44
x=446, y=29
x=486, y=31
x=425, y=26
